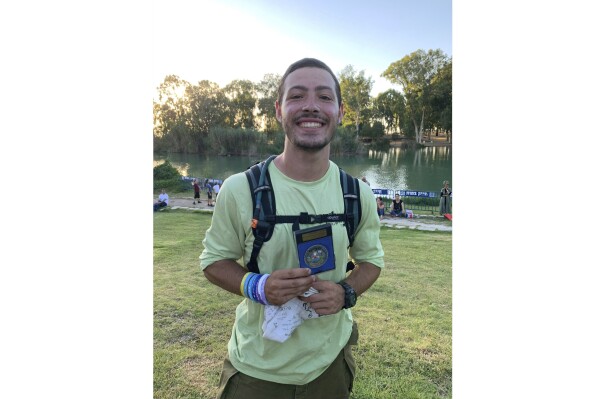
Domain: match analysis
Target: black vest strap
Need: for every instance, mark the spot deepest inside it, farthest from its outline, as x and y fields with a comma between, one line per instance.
x=265, y=215
x=263, y=199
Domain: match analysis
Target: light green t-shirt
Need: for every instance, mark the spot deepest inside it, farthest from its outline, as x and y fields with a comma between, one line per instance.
x=315, y=343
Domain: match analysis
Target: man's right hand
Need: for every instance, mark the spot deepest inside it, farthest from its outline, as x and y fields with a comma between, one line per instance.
x=284, y=285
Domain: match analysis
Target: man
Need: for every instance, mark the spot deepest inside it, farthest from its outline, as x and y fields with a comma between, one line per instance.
x=162, y=200
x=315, y=359
x=398, y=207
x=196, y=191
x=445, y=200
x=209, y=193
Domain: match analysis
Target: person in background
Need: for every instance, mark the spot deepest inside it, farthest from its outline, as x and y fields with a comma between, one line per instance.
x=209, y=194
x=380, y=207
x=216, y=189
x=398, y=207
x=314, y=360
x=162, y=200
x=445, y=201
x=365, y=181
x=196, y=191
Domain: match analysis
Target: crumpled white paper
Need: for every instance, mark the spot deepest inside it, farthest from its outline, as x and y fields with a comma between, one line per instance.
x=280, y=321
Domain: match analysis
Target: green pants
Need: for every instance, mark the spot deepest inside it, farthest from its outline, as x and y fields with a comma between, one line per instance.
x=335, y=383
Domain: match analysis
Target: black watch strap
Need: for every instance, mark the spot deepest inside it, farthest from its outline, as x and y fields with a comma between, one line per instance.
x=350, y=295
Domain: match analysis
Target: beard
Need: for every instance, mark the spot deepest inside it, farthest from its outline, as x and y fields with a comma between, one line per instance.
x=311, y=143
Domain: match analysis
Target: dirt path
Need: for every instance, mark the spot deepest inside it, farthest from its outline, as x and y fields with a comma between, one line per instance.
x=429, y=223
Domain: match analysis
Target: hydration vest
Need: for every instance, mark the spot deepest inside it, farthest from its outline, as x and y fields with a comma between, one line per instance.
x=265, y=216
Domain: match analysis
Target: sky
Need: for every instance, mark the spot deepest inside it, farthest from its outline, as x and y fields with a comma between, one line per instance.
x=235, y=39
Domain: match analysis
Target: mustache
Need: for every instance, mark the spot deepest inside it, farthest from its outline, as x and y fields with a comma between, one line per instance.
x=323, y=118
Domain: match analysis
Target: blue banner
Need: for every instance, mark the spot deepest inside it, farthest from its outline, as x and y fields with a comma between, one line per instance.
x=422, y=194
x=381, y=191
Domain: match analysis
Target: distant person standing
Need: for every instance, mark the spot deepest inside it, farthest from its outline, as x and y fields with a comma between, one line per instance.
x=162, y=200
x=209, y=193
x=365, y=181
x=196, y=191
x=445, y=201
x=216, y=189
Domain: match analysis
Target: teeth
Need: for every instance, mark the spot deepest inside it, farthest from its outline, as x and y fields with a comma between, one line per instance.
x=310, y=124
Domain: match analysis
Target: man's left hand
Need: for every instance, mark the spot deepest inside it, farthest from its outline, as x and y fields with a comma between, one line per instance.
x=329, y=300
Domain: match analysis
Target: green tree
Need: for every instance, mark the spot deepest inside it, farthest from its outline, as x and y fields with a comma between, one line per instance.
x=414, y=74
x=355, y=91
x=441, y=98
x=169, y=112
x=205, y=109
x=242, y=103
x=390, y=106
x=267, y=92
x=374, y=131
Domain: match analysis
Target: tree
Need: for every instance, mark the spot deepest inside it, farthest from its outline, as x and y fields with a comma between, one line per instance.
x=207, y=106
x=390, y=106
x=355, y=91
x=267, y=91
x=242, y=102
x=205, y=109
x=441, y=98
x=169, y=109
x=414, y=74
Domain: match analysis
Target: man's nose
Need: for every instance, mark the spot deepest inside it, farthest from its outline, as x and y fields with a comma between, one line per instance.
x=311, y=105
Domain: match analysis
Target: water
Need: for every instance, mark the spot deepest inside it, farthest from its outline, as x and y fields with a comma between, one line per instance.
x=423, y=169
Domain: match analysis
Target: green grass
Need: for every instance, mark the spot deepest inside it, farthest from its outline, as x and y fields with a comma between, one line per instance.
x=405, y=321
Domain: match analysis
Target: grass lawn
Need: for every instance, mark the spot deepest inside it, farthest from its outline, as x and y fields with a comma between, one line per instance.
x=404, y=350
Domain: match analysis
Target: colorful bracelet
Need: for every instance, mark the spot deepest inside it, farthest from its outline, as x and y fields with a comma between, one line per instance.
x=243, y=282
x=261, y=292
x=252, y=287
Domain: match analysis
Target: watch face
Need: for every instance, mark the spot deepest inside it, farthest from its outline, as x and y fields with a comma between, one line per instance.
x=352, y=297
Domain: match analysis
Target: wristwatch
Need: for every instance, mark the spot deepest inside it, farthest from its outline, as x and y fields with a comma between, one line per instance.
x=350, y=295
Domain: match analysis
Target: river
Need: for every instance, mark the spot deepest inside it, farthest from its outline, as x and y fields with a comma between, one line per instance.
x=422, y=169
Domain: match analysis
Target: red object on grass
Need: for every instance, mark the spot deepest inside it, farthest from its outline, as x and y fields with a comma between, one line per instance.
x=447, y=216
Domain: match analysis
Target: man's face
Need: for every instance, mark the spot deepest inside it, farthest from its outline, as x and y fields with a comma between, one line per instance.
x=309, y=110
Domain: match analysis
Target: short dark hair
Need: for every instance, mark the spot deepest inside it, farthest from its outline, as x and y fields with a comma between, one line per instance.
x=309, y=63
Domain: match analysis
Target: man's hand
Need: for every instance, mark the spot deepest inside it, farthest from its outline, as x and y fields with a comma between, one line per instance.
x=284, y=285
x=329, y=300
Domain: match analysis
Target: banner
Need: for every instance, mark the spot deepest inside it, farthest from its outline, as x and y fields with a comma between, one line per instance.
x=382, y=191
x=422, y=194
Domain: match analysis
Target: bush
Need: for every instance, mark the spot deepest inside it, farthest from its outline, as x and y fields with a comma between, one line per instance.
x=346, y=142
x=377, y=130
x=421, y=201
x=276, y=142
x=231, y=141
x=167, y=176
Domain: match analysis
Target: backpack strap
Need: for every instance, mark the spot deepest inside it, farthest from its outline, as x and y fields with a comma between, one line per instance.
x=265, y=216
x=263, y=201
x=353, y=209
x=352, y=203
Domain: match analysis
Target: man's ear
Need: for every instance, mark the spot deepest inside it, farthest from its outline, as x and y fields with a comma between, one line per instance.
x=340, y=114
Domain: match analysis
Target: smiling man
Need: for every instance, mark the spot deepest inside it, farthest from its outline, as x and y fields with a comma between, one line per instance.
x=293, y=331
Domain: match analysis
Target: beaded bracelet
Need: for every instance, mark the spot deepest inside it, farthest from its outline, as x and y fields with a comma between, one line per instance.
x=252, y=287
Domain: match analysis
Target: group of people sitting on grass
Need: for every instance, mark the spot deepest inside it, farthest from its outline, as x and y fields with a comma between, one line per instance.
x=397, y=208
